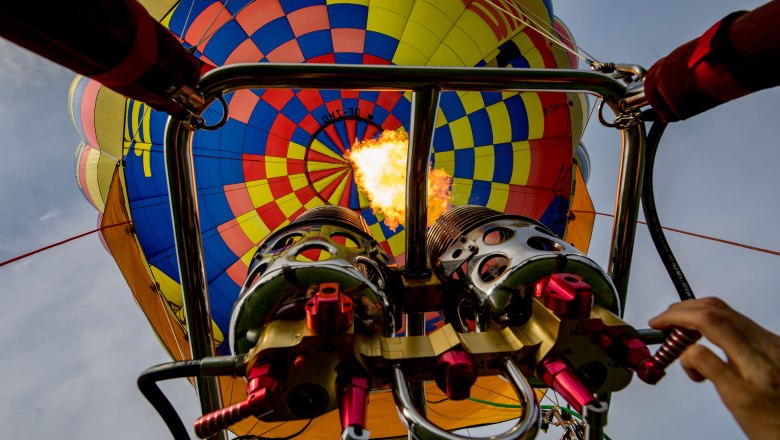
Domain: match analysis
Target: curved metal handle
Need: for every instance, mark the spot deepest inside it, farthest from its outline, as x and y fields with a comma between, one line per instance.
x=423, y=429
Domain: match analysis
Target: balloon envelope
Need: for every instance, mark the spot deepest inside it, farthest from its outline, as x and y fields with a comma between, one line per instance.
x=282, y=151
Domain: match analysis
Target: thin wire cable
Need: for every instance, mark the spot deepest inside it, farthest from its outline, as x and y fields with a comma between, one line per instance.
x=694, y=234
x=45, y=248
x=232, y=17
x=186, y=21
x=213, y=20
x=590, y=58
x=590, y=113
x=166, y=308
x=536, y=26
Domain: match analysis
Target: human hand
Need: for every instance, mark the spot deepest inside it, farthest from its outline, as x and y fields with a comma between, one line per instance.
x=749, y=380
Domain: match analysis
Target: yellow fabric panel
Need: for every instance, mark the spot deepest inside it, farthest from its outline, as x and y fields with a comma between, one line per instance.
x=445, y=56
x=247, y=257
x=468, y=51
x=484, y=163
x=335, y=198
x=362, y=199
x=440, y=118
x=319, y=147
x=521, y=163
x=289, y=203
x=461, y=191
x=388, y=17
x=376, y=230
x=253, y=226
x=105, y=170
x=461, y=133
x=578, y=113
x=579, y=229
x=499, y=195
x=479, y=32
x=472, y=101
x=259, y=192
x=321, y=184
x=296, y=151
x=406, y=54
x=500, y=123
x=533, y=106
x=350, y=2
x=436, y=16
x=91, y=177
x=313, y=203
x=451, y=8
x=445, y=161
x=109, y=122
x=275, y=167
x=158, y=8
x=298, y=181
x=427, y=27
x=397, y=243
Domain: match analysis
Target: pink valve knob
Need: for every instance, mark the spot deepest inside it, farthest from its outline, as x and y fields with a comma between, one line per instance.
x=329, y=311
x=256, y=404
x=260, y=400
x=559, y=376
x=568, y=296
x=353, y=403
x=455, y=374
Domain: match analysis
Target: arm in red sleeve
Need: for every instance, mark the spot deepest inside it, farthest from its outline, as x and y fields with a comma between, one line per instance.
x=738, y=55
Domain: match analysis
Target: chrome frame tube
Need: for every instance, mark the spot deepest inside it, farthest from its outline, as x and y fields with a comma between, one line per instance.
x=425, y=102
x=182, y=186
x=189, y=251
x=629, y=192
x=421, y=428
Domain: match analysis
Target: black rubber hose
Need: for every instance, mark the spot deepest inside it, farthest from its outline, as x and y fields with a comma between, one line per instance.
x=147, y=383
x=210, y=366
x=654, y=223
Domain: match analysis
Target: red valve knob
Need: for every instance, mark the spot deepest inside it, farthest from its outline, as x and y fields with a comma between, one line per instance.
x=455, y=374
x=353, y=402
x=259, y=401
x=568, y=296
x=558, y=375
x=329, y=311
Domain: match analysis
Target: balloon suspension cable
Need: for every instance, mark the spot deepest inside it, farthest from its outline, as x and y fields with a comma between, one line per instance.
x=67, y=240
x=692, y=234
x=208, y=33
x=534, y=22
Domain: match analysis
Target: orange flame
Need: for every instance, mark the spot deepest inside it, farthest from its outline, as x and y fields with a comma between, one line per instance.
x=380, y=172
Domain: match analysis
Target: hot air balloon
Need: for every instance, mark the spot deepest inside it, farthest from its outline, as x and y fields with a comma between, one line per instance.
x=282, y=152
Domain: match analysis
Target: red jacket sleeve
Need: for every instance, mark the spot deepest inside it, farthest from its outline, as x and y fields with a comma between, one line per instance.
x=738, y=55
x=114, y=42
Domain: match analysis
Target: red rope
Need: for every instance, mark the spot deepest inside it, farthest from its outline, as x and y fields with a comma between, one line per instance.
x=59, y=243
x=693, y=234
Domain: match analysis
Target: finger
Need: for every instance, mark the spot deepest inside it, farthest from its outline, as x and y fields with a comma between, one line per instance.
x=693, y=374
x=701, y=363
x=715, y=320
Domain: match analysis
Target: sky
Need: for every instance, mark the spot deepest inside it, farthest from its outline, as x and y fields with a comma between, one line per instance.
x=74, y=340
